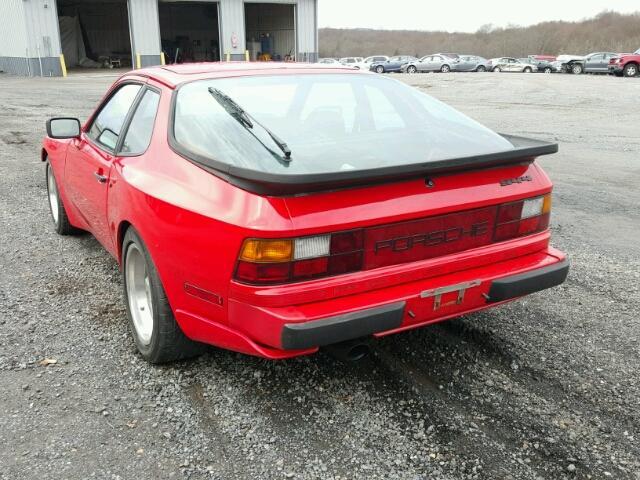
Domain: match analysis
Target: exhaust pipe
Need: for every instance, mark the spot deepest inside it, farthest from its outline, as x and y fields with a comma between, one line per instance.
x=349, y=351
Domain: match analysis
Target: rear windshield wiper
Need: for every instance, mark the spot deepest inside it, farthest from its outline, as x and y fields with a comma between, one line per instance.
x=247, y=120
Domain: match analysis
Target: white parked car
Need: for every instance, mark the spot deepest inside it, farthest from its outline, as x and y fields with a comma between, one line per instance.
x=328, y=61
x=351, y=61
x=366, y=63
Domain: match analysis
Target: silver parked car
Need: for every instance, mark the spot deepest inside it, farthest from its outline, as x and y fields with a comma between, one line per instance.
x=470, y=63
x=429, y=63
x=510, y=64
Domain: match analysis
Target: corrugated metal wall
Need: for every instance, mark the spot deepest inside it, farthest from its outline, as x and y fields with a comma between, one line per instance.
x=145, y=27
x=12, y=29
x=43, y=37
x=232, y=28
x=307, y=29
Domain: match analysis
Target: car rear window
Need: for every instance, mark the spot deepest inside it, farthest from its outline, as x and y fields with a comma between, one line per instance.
x=331, y=123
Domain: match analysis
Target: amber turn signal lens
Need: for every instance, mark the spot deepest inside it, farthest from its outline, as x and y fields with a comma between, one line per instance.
x=259, y=251
x=546, y=206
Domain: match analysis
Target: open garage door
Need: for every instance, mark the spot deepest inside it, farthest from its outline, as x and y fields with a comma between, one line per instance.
x=189, y=31
x=270, y=30
x=95, y=34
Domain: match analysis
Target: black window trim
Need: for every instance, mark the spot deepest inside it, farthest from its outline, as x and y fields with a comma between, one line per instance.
x=129, y=119
x=134, y=105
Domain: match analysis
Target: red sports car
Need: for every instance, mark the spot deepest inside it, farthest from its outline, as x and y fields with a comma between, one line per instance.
x=276, y=209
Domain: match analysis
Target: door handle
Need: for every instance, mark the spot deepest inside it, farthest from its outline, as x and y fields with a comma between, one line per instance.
x=100, y=178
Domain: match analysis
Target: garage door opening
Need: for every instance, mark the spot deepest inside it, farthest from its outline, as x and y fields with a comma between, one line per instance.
x=95, y=34
x=270, y=30
x=189, y=31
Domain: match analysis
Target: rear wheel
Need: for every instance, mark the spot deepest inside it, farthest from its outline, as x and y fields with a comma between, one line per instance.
x=481, y=68
x=547, y=70
x=380, y=69
x=497, y=69
x=527, y=70
x=577, y=69
x=411, y=69
x=158, y=337
x=445, y=68
x=630, y=70
x=56, y=207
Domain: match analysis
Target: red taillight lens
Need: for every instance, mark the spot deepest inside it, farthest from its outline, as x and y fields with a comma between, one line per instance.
x=522, y=218
x=265, y=262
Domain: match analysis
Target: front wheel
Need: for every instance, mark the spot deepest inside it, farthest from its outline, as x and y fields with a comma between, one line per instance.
x=630, y=70
x=411, y=69
x=481, y=68
x=445, y=69
x=56, y=206
x=577, y=69
x=547, y=70
x=497, y=69
x=380, y=69
x=527, y=70
x=158, y=337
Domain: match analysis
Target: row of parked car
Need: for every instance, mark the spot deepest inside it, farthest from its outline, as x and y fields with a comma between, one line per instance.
x=626, y=64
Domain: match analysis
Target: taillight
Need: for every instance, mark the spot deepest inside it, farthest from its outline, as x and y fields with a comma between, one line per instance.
x=264, y=261
x=277, y=261
x=522, y=218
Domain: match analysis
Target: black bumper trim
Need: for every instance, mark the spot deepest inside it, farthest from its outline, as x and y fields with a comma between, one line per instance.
x=319, y=333
x=528, y=282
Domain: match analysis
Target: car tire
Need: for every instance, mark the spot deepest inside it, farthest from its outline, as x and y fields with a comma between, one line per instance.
x=411, y=69
x=380, y=69
x=156, y=333
x=497, y=69
x=527, y=70
x=56, y=205
x=577, y=69
x=481, y=68
x=630, y=70
x=547, y=70
x=445, y=68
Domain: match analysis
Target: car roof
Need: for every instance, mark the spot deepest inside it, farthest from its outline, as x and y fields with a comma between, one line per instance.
x=174, y=75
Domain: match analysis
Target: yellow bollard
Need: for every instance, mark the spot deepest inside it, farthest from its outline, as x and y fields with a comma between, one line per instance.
x=138, y=60
x=162, y=60
x=246, y=55
x=63, y=65
x=228, y=56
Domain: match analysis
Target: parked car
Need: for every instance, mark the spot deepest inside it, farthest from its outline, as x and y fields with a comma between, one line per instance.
x=510, y=64
x=566, y=62
x=272, y=228
x=429, y=63
x=367, y=62
x=470, y=63
x=393, y=64
x=450, y=55
x=597, y=62
x=543, y=66
x=627, y=64
x=350, y=61
x=328, y=61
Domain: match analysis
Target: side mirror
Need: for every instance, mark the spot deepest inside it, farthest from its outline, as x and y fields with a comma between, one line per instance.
x=62, y=127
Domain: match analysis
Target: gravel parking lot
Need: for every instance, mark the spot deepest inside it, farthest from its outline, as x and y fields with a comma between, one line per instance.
x=545, y=387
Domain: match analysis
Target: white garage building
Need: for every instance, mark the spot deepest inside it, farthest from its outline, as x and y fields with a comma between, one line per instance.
x=43, y=37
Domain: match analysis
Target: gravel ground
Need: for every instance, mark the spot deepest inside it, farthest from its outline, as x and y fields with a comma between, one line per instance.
x=545, y=387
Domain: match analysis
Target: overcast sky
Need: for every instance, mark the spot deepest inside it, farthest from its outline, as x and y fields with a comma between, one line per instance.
x=459, y=15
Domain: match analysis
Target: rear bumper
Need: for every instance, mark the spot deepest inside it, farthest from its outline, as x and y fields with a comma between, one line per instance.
x=304, y=327
x=372, y=321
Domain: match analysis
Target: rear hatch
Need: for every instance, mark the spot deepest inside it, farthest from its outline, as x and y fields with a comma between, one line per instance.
x=407, y=222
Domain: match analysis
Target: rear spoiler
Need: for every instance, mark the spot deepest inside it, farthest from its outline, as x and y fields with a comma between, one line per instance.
x=525, y=151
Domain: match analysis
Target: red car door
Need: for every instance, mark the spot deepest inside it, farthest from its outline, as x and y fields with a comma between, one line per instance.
x=89, y=161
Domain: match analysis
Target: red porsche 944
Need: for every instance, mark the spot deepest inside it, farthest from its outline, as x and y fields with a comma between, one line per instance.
x=277, y=209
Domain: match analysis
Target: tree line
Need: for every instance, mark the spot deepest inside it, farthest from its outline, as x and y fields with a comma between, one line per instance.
x=608, y=31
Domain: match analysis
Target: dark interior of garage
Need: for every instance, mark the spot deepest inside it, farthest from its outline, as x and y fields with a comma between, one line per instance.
x=189, y=31
x=95, y=34
x=270, y=31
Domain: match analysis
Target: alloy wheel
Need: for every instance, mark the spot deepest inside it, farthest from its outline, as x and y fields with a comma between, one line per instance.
x=52, y=190
x=139, y=293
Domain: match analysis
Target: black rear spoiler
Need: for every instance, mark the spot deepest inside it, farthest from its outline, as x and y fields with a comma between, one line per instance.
x=525, y=151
